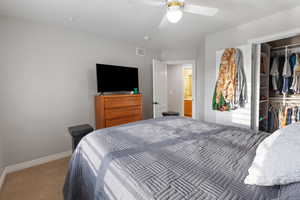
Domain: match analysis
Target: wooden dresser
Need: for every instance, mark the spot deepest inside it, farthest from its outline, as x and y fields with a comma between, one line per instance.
x=113, y=110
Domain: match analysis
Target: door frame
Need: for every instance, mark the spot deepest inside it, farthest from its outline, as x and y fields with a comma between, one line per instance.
x=256, y=43
x=195, y=94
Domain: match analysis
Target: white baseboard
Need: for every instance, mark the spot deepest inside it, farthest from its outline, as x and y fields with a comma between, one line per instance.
x=2, y=177
x=32, y=163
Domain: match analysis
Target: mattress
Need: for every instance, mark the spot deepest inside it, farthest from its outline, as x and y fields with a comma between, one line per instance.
x=169, y=158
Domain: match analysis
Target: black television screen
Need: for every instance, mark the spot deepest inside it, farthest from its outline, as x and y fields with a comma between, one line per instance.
x=112, y=78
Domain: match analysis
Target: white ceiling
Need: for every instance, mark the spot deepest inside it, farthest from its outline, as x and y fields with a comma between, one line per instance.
x=121, y=20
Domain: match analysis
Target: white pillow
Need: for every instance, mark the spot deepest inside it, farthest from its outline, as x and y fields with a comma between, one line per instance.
x=277, y=160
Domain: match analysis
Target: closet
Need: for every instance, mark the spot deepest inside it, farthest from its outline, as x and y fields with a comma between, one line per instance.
x=279, y=84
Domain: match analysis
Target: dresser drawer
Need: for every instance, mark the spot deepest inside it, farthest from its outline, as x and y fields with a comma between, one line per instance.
x=114, y=110
x=122, y=102
x=124, y=120
x=113, y=113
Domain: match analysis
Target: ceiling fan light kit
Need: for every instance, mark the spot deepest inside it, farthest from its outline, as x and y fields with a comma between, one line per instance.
x=175, y=9
x=174, y=14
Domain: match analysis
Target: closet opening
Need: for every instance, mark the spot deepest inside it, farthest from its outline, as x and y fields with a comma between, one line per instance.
x=279, y=95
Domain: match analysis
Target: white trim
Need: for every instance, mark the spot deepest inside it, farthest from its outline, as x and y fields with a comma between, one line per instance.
x=32, y=163
x=2, y=177
x=195, y=96
x=39, y=161
x=277, y=36
x=179, y=62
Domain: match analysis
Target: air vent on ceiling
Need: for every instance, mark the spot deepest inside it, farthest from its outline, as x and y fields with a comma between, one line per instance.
x=140, y=51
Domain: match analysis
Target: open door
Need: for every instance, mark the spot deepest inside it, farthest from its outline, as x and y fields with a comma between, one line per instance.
x=160, y=88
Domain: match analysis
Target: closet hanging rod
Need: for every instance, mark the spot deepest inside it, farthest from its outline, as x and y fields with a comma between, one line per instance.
x=286, y=102
x=284, y=98
x=286, y=46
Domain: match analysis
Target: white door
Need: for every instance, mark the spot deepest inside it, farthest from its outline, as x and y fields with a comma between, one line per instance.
x=160, y=88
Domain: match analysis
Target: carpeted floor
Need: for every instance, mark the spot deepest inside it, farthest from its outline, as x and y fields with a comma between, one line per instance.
x=43, y=182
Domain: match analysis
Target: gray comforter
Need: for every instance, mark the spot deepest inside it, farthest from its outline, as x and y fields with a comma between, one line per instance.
x=166, y=159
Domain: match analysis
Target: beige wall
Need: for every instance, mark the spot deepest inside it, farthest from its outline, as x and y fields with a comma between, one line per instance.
x=48, y=83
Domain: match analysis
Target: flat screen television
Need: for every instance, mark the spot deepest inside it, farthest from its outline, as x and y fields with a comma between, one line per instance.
x=112, y=78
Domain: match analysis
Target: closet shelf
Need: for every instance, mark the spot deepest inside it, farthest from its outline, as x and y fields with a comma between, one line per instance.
x=263, y=74
x=285, y=98
x=263, y=101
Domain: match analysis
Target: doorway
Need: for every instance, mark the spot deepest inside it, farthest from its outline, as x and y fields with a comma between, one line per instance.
x=279, y=93
x=174, y=88
x=287, y=42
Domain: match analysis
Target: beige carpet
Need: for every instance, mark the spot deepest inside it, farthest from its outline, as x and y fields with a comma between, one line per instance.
x=43, y=182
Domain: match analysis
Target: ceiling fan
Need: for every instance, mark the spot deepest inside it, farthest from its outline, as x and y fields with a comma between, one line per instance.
x=175, y=9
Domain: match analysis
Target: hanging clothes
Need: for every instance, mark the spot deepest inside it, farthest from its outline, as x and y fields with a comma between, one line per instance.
x=241, y=96
x=289, y=116
x=284, y=117
x=281, y=62
x=280, y=116
x=275, y=73
x=286, y=74
x=294, y=115
x=292, y=61
x=273, y=119
x=296, y=77
x=231, y=90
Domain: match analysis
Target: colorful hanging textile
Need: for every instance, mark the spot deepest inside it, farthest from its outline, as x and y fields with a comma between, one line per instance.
x=231, y=88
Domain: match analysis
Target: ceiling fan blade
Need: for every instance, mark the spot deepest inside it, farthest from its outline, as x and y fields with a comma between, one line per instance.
x=157, y=3
x=164, y=22
x=200, y=10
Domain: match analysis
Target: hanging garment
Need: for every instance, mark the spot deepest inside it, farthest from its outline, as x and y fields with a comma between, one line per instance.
x=270, y=120
x=284, y=117
x=275, y=73
x=231, y=90
x=294, y=116
x=276, y=119
x=273, y=124
x=280, y=69
x=296, y=78
x=241, y=96
x=287, y=73
x=292, y=61
x=289, y=116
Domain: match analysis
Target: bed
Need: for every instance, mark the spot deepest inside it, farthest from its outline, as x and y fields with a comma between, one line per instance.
x=170, y=158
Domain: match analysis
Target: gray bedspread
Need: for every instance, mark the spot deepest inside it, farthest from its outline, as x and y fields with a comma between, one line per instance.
x=169, y=158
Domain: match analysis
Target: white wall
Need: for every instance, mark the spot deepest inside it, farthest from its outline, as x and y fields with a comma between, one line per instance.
x=175, y=88
x=48, y=83
x=197, y=54
x=280, y=22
